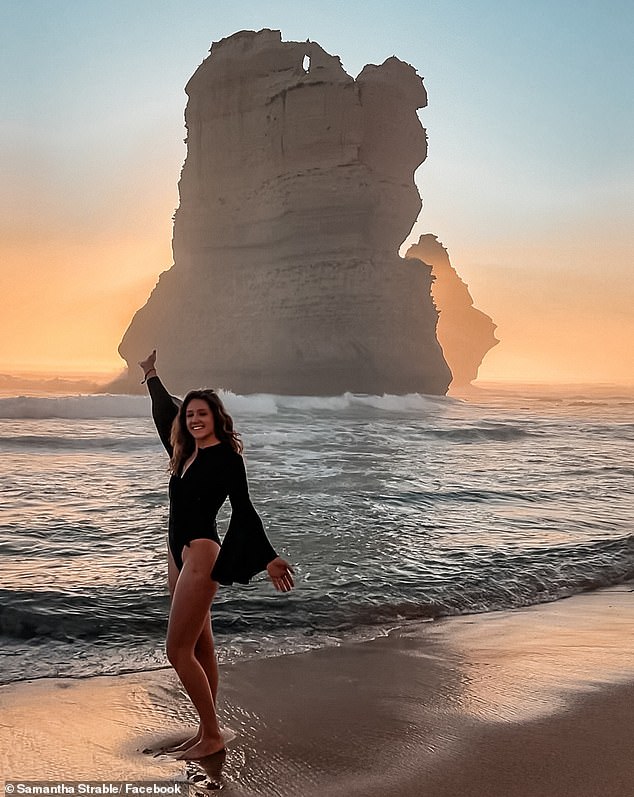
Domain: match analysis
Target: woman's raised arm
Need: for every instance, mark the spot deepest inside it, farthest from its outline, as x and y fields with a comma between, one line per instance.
x=164, y=406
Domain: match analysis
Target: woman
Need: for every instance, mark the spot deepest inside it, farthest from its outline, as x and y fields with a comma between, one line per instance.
x=206, y=467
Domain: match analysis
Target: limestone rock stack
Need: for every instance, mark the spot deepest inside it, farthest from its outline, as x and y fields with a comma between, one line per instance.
x=297, y=190
x=465, y=333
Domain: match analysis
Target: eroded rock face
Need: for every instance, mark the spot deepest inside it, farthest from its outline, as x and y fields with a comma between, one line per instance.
x=465, y=333
x=296, y=193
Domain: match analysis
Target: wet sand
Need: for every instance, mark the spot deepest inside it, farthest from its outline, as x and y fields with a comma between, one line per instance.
x=538, y=701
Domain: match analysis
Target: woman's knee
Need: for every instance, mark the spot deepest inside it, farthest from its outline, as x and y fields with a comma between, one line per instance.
x=177, y=654
x=204, y=644
x=172, y=652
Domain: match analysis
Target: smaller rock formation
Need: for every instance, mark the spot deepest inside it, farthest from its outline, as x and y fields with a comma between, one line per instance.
x=465, y=333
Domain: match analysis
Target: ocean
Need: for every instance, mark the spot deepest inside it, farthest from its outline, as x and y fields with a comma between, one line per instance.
x=391, y=509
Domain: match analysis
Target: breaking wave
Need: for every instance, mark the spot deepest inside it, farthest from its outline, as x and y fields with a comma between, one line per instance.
x=114, y=406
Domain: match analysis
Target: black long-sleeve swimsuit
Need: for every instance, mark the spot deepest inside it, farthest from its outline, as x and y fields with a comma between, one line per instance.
x=197, y=495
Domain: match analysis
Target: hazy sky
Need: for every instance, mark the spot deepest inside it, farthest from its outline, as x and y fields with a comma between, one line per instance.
x=528, y=181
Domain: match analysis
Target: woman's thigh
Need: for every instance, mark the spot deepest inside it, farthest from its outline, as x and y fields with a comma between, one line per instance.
x=172, y=572
x=193, y=594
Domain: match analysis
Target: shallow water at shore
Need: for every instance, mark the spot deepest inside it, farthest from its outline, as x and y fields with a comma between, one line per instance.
x=390, y=507
x=528, y=702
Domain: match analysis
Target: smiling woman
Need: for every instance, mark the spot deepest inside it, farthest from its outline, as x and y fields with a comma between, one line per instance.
x=207, y=467
x=206, y=422
x=200, y=423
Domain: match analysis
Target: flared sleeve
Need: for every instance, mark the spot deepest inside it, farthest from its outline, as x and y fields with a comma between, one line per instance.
x=164, y=410
x=245, y=549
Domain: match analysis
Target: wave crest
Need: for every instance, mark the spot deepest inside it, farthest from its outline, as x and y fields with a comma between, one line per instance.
x=124, y=406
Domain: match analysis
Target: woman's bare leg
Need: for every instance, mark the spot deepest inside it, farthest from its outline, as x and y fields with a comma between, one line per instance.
x=204, y=652
x=189, y=615
x=172, y=573
x=206, y=655
x=172, y=578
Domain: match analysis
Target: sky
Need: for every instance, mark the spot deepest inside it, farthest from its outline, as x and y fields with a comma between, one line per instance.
x=528, y=181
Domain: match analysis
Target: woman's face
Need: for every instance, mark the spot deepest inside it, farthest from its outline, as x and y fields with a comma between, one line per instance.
x=200, y=421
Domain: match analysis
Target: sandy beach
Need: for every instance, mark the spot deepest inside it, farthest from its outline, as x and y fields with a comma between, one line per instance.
x=537, y=701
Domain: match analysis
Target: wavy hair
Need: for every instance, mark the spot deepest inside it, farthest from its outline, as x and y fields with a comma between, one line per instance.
x=184, y=445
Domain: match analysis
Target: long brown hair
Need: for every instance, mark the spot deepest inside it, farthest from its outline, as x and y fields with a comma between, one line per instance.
x=183, y=444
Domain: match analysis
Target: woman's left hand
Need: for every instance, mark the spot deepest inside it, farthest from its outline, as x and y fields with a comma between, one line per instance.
x=280, y=573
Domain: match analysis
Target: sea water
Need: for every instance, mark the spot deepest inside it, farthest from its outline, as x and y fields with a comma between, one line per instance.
x=391, y=509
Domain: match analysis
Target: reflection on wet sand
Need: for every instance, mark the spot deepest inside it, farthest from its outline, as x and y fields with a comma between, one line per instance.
x=409, y=713
x=206, y=773
x=530, y=663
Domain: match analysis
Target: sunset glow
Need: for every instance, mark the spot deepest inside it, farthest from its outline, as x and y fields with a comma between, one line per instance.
x=530, y=201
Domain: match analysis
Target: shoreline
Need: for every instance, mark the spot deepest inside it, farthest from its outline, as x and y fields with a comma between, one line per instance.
x=523, y=702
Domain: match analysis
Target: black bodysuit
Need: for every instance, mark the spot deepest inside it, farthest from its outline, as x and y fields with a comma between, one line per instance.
x=197, y=495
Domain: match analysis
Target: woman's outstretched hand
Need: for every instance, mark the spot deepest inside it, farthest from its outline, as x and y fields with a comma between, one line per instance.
x=149, y=364
x=280, y=573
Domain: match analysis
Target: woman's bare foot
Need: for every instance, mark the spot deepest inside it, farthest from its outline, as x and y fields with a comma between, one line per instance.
x=182, y=746
x=203, y=748
x=228, y=735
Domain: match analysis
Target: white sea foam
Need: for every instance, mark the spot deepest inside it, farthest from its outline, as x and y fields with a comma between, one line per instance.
x=386, y=402
x=79, y=406
x=124, y=406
